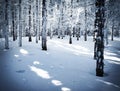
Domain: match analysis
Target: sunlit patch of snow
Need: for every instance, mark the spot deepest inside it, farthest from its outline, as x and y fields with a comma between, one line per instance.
x=56, y=82
x=112, y=58
x=23, y=51
x=76, y=49
x=114, y=62
x=36, y=62
x=40, y=72
x=65, y=89
x=5, y=50
x=16, y=55
x=47, y=53
x=108, y=83
x=115, y=38
x=109, y=53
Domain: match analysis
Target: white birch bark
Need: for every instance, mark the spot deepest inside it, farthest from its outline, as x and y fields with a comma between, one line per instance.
x=37, y=22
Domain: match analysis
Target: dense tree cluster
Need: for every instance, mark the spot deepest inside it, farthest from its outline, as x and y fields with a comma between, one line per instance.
x=20, y=18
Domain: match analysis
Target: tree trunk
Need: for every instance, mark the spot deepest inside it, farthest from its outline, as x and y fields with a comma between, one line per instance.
x=73, y=31
x=13, y=24
x=70, y=39
x=16, y=12
x=30, y=38
x=20, y=25
x=44, y=22
x=37, y=23
x=10, y=16
x=106, y=35
x=39, y=9
x=59, y=26
x=51, y=31
x=78, y=33
x=99, y=43
x=85, y=34
x=61, y=18
x=6, y=26
x=112, y=31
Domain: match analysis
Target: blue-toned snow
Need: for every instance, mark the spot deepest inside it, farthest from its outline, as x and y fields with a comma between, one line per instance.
x=63, y=67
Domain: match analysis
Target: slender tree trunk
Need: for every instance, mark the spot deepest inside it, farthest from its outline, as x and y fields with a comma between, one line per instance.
x=85, y=34
x=44, y=22
x=106, y=35
x=10, y=16
x=106, y=24
x=112, y=31
x=39, y=9
x=6, y=26
x=70, y=40
x=78, y=33
x=73, y=31
x=37, y=22
x=59, y=28
x=62, y=17
x=34, y=16
x=51, y=31
x=13, y=24
x=15, y=21
x=30, y=25
x=20, y=24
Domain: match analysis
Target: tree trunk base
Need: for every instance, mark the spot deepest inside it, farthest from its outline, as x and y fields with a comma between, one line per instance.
x=70, y=41
x=99, y=72
x=44, y=48
x=39, y=38
x=30, y=39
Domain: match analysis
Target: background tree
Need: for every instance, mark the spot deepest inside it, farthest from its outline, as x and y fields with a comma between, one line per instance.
x=113, y=11
x=30, y=24
x=6, y=32
x=44, y=23
x=20, y=24
x=71, y=27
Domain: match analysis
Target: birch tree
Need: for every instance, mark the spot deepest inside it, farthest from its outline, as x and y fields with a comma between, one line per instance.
x=39, y=15
x=62, y=17
x=85, y=31
x=44, y=23
x=6, y=26
x=30, y=24
x=13, y=21
x=70, y=40
x=20, y=24
x=9, y=16
x=37, y=20
x=99, y=43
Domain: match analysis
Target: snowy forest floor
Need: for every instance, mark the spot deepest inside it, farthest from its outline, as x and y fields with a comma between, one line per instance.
x=63, y=67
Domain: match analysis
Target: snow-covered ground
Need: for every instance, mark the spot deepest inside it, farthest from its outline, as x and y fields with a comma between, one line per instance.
x=63, y=67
